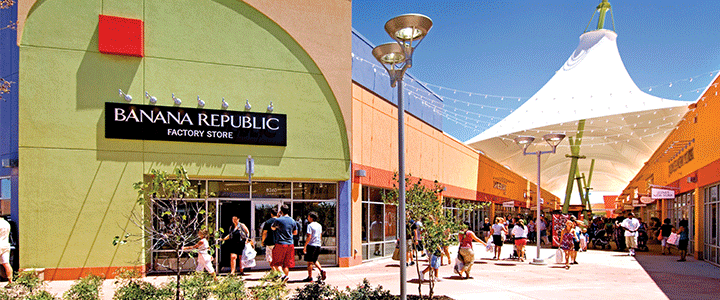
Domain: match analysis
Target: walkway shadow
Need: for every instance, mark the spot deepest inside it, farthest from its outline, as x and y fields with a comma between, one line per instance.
x=456, y=277
x=692, y=279
x=558, y=267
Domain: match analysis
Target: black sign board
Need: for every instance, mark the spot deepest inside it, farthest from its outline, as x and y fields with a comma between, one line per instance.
x=182, y=124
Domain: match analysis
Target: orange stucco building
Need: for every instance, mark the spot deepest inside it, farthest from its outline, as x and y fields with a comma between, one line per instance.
x=687, y=163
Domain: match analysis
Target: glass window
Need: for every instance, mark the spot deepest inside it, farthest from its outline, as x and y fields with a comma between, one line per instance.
x=304, y=190
x=376, y=222
x=229, y=189
x=271, y=190
x=391, y=219
x=5, y=188
x=365, y=223
x=326, y=211
x=375, y=195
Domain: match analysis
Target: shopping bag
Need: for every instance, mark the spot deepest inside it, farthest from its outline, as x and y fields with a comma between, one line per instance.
x=559, y=256
x=396, y=254
x=489, y=246
x=660, y=236
x=674, y=239
x=459, y=266
x=248, y=257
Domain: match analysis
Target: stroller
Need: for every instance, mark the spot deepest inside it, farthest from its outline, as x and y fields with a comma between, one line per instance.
x=642, y=240
x=601, y=239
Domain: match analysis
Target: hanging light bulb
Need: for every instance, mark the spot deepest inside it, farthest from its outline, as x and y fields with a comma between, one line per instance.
x=127, y=97
x=201, y=103
x=151, y=99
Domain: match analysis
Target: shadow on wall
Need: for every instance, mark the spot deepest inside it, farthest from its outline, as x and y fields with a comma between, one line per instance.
x=296, y=50
x=101, y=75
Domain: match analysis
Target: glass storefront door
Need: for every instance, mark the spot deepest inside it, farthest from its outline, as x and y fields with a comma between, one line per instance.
x=251, y=203
x=227, y=209
x=261, y=213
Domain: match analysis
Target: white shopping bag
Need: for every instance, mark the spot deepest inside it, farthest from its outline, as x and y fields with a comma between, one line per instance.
x=459, y=266
x=559, y=256
x=248, y=257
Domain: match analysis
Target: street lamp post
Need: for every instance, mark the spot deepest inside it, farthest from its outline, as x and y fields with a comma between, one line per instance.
x=396, y=58
x=553, y=139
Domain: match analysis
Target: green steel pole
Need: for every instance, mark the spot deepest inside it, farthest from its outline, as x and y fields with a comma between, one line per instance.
x=603, y=7
x=575, y=155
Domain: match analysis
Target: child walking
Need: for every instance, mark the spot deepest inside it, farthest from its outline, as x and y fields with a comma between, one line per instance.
x=204, y=259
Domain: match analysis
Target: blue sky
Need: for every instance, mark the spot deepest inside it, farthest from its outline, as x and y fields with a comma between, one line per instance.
x=510, y=49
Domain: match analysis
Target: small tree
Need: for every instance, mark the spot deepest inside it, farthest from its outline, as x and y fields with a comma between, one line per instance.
x=169, y=220
x=4, y=84
x=423, y=202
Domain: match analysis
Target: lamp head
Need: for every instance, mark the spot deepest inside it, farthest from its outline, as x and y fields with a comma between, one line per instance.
x=389, y=54
x=409, y=27
x=524, y=141
x=554, y=139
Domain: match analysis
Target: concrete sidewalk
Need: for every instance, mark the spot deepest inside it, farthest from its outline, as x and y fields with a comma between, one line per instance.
x=599, y=275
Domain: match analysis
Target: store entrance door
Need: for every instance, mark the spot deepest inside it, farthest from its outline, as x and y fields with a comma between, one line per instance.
x=226, y=210
x=261, y=213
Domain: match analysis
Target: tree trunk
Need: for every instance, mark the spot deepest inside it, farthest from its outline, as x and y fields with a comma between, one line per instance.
x=177, y=279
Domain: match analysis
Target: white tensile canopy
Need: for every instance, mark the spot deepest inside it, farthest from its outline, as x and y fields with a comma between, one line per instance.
x=623, y=126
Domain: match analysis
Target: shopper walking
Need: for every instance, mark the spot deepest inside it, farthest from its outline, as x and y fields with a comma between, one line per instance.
x=204, y=259
x=238, y=234
x=577, y=232
x=631, y=226
x=665, y=230
x=567, y=241
x=268, y=236
x=519, y=233
x=532, y=235
x=498, y=229
x=283, y=252
x=684, y=238
x=466, y=253
x=542, y=230
x=313, y=242
x=5, y=248
x=486, y=229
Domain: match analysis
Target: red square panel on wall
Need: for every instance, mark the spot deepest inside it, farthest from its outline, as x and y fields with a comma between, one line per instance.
x=121, y=36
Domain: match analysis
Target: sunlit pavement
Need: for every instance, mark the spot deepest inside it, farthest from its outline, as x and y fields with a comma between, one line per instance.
x=598, y=275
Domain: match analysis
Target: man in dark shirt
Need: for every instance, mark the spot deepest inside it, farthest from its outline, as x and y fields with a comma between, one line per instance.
x=283, y=252
x=268, y=236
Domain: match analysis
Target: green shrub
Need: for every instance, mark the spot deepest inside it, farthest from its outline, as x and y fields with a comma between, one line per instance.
x=231, y=288
x=196, y=286
x=365, y=292
x=29, y=280
x=137, y=289
x=87, y=288
x=40, y=295
x=270, y=288
x=318, y=290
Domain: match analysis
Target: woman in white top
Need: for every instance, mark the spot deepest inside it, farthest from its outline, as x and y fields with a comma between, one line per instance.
x=520, y=232
x=204, y=259
x=498, y=229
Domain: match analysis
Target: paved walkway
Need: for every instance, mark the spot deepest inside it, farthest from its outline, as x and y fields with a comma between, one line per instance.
x=599, y=275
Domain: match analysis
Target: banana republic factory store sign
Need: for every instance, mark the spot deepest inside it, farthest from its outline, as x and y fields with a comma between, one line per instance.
x=182, y=124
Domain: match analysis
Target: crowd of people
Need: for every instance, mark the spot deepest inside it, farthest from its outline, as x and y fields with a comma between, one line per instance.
x=278, y=236
x=280, y=231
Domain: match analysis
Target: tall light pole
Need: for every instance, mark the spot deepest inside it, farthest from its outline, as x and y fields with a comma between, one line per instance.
x=396, y=58
x=553, y=139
